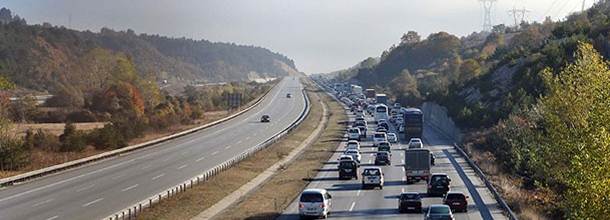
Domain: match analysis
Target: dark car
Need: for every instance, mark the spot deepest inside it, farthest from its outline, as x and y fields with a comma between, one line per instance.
x=382, y=158
x=439, y=212
x=438, y=184
x=457, y=201
x=265, y=118
x=384, y=147
x=384, y=125
x=409, y=202
x=348, y=169
x=381, y=129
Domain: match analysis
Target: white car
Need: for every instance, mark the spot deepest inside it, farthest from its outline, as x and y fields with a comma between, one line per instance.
x=372, y=177
x=415, y=143
x=392, y=138
x=378, y=138
x=352, y=145
x=354, y=153
x=353, y=134
x=315, y=202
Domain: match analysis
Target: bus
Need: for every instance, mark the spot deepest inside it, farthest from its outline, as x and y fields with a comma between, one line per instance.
x=381, y=112
x=413, y=123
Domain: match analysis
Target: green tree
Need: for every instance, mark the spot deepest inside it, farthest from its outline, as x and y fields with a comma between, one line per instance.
x=577, y=127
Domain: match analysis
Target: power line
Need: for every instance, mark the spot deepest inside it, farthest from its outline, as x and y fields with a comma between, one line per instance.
x=487, y=6
x=518, y=15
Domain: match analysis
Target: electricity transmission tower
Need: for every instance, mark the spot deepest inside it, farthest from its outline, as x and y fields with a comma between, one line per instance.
x=518, y=15
x=487, y=6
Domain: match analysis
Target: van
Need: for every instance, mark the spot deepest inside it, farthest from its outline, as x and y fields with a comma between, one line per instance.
x=314, y=202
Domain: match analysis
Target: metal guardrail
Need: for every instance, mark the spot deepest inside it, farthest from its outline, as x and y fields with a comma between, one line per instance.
x=76, y=163
x=135, y=209
x=507, y=210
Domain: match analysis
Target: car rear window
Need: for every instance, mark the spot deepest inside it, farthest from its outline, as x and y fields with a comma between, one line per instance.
x=311, y=197
x=372, y=172
x=379, y=135
x=409, y=196
x=347, y=164
x=456, y=196
x=439, y=210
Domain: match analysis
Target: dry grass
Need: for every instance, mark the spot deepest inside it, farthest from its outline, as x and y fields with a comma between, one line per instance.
x=274, y=196
x=42, y=158
x=193, y=201
x=527, y=204
x=53, y=128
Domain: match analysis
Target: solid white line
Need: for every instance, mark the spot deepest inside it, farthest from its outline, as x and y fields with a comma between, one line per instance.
x=200, y=159
x=215, y=152
x=158, y=176
x=85, y=188
x=352, y=206
x=43, y=202
x=54, y=217
x=146, y=166
x=129, y=188
x=183, y=166
x=118, y=176
x=92, y=202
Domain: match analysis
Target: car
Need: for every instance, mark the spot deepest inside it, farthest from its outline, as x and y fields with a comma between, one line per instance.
x=354, y=153
x=385, y=147
x=383, y=125
x=315, y=202
x=415, y=143
x=382, y=130
x=379, y=137
x=265, y=119
x=439, y=184
x=288, y=95
x=352, y=145
x=392, y=138
x=345, y=157
x=372, y=177
x=353, y=134
x=441, y=212
x=410, y=202
x=381, y=121
x=362, y=131
x=383, y=158
x=348, y=169
x=457, y=201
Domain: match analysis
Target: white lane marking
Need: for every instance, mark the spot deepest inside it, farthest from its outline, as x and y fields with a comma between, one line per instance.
x=167, y=159
x=85, y=188
x=158, y=176
x=43, y=202
x=402, y=161
x=146, y=166
x=185, y=153
x=183, y=166
x=92, y=202
x=52, y=218
x=352, y=206
x=215, y=152
x=144, y=156
x=239, y=142
x=200, y=159
x=228, y=147
x=358, y=192
x=129, y=188
x=118, y=176
x=403, y=190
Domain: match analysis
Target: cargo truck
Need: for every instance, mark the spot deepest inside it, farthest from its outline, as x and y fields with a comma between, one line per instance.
x=417, y=165
x=381, y=99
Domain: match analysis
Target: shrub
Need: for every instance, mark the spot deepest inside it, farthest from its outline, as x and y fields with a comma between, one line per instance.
x=71, y=139
x=107, y=137
x=13, y=154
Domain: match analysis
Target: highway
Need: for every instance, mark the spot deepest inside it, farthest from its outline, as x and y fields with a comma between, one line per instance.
x=349, y=201
x=102, y=188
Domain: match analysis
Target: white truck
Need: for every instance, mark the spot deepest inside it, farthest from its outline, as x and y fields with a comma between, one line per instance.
x=417, y=164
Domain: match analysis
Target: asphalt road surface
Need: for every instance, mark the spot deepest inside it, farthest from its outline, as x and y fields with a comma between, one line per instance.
x=102, y=188
x=351, y=202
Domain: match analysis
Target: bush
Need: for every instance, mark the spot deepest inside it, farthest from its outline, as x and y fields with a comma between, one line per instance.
x=13, y=154
x=45, y=140
x=71, y=139
x=107, y=137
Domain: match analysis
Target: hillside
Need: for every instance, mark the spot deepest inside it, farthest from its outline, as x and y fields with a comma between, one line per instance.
x=533, y=100
x=46, y=57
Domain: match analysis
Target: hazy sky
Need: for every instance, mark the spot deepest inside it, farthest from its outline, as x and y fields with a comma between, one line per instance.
x=320, y=35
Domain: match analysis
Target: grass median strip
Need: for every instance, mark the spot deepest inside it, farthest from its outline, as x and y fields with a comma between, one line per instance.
x=269, y=201
x=193, y=201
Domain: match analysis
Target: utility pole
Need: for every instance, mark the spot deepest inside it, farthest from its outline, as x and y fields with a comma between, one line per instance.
x=518, y=15
x=487, y=6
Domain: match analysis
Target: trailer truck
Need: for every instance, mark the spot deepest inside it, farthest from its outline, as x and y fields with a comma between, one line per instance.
x=417, y=164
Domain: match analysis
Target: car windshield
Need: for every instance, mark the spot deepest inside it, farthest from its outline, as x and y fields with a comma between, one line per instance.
x=311, y=197
x=409, y=196
x=442, y=210
x=347, y=165
x=372, y=172
x=352, y=152
x=439, y=178
x=379, y=135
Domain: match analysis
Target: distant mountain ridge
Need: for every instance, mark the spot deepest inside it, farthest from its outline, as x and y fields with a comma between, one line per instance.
x=42, y=57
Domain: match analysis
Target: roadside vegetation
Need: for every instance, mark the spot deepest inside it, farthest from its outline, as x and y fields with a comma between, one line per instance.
x=530, y=98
